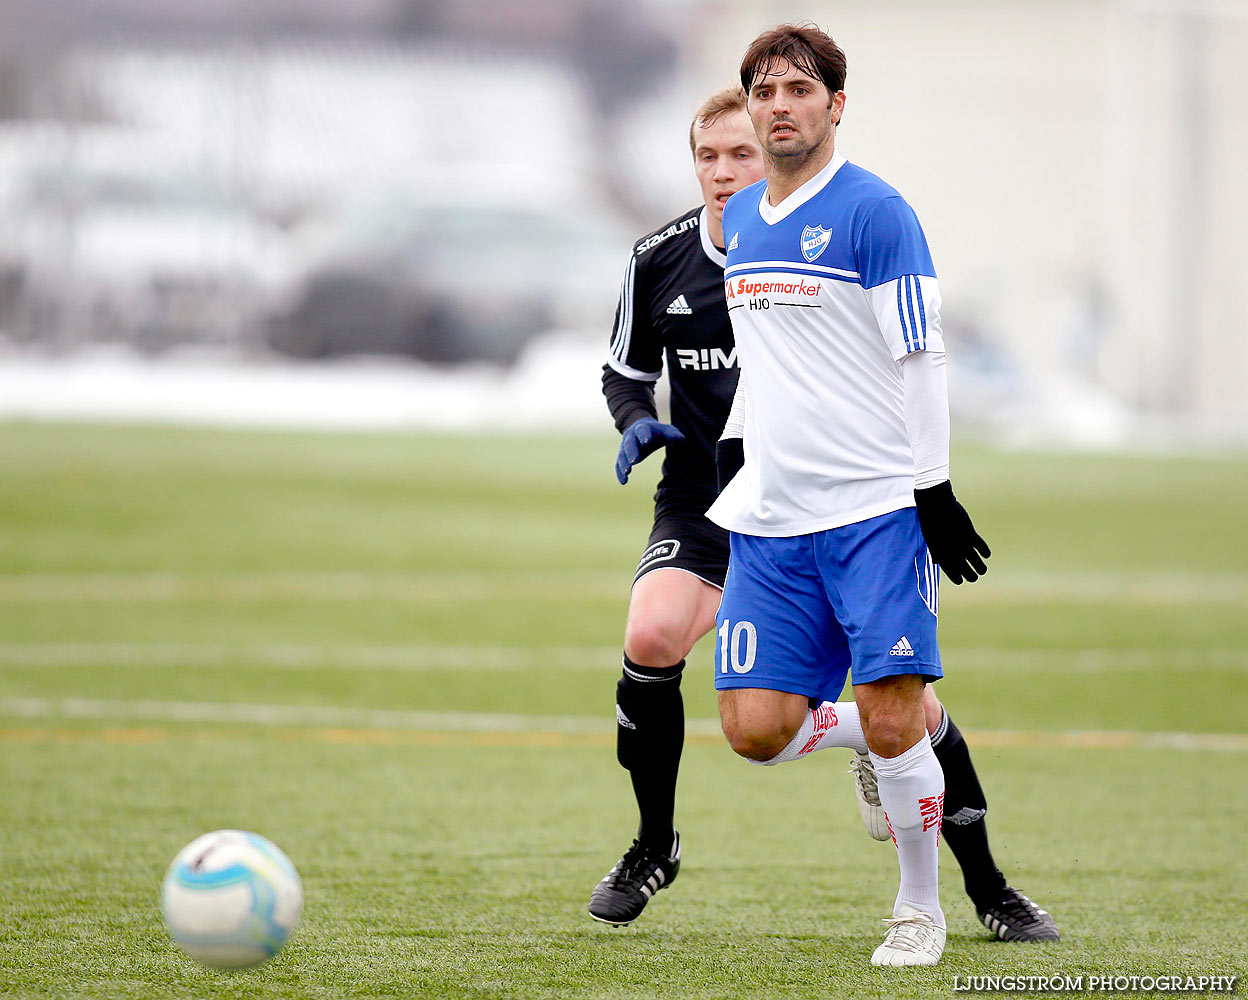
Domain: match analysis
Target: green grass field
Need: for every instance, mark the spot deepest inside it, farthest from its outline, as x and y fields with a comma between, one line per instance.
x=396, y=656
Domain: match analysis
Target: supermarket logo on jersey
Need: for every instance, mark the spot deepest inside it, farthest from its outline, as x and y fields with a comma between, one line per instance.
x=815, y=240
x=749, y=287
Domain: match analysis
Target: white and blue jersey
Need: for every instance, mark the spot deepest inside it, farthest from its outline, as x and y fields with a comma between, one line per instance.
x=827, y=292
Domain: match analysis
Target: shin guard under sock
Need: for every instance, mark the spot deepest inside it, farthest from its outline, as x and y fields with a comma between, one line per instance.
x=912, y=791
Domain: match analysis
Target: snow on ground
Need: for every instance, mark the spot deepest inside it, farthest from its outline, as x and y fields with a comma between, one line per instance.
x=556, y=384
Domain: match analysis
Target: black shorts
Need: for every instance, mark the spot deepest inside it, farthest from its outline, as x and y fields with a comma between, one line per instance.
x=683, y=538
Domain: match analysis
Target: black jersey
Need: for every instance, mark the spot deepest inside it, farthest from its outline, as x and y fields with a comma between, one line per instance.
x=672, y=309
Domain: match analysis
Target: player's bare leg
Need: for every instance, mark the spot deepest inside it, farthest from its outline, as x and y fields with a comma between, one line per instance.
x=774, y=727
x=760, y=724
x=912, y=790
x=669, y=610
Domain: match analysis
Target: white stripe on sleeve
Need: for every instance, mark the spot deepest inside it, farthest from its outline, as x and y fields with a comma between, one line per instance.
x=624, y=324
x=907, y=310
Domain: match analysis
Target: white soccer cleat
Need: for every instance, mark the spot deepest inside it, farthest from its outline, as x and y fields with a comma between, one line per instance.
x=867, y=790
x=913, y=938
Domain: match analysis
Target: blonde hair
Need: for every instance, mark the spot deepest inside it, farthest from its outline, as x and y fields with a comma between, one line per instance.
x=727, y=101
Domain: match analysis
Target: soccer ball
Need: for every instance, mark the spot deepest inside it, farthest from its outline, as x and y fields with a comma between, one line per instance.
x=231, y=899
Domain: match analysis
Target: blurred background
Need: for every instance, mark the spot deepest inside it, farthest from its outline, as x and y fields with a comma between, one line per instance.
x=416, y=212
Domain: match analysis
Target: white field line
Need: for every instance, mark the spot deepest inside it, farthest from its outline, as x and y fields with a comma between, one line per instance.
x=299, y=715
x=1086, y=661
x=997, y=588
x=496, y=723
x=419, y=658
x=285, y=656
x=243, y=588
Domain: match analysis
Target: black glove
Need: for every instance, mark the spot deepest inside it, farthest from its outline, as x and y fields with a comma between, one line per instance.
x=642, y=437
x=729, y=457
x=951, y=538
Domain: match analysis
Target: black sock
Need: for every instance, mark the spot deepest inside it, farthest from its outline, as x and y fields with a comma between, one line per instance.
x=963, y=827
x=650, y=734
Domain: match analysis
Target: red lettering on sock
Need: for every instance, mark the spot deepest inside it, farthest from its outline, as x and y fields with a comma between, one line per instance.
x=824, y=717
x=932, y=808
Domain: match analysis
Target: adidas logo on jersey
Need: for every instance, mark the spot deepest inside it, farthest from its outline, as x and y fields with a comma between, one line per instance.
x=903, y=648
x=679, y=307
x=733, y=244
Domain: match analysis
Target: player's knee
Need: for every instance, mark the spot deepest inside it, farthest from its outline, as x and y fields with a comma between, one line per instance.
x=654, y=643
x=755, y=743
x=889, y=733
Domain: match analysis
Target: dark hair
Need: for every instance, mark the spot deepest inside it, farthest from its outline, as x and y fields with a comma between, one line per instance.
x=725, y=102
x=802, y=46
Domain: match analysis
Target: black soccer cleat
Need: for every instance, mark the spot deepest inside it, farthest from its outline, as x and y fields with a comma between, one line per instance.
x=621, y=896
x=1014, y=917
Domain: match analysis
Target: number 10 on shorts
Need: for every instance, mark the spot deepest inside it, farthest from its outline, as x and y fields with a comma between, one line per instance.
x=738, y=645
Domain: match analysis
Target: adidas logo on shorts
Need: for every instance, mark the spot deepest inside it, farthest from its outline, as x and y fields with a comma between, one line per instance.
x=903, y=648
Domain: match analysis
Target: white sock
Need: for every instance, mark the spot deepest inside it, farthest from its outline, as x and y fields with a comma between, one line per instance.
x=832, y=724
x=912, y=791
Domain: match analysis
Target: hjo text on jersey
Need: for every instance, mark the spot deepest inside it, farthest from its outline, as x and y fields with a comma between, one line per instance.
x=706, y=360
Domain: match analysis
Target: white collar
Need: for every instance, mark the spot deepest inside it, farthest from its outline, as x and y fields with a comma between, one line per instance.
x=716, y=255
x=777, y=213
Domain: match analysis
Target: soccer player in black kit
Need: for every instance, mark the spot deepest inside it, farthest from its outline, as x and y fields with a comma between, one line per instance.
x=672, y=310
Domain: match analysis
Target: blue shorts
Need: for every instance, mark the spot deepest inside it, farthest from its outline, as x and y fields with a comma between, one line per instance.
x=800, y=613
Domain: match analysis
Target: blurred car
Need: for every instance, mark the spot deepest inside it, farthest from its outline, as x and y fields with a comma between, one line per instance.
x=110, y=255
x=446, y=283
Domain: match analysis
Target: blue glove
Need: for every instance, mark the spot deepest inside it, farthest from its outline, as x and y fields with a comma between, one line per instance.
x=642, y=437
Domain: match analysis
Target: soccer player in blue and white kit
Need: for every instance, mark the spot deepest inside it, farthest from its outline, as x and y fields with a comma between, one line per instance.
x=842, y=506
x=672, y=307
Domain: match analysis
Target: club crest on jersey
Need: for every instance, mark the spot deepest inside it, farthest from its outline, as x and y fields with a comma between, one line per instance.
x=815, y=240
